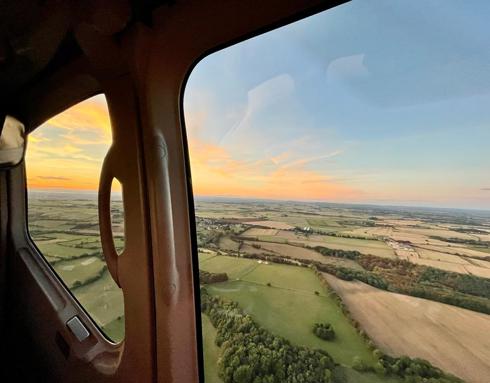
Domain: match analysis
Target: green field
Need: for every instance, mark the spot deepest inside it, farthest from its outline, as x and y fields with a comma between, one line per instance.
x=234, y=267
x=482, y=249
x=211, y=351
x=271, y=238
x=290, y=307
x=204, y=257
x=66, y=233
x=60, y=251
x=283, y=299
x=102, y=299
x=58, y=224
x=365, y=246
x=352, y=376
x=323, y=222
x=79, y=271
x=115, y=329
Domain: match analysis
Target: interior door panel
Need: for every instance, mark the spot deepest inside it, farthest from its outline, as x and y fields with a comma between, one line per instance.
x=142, y=70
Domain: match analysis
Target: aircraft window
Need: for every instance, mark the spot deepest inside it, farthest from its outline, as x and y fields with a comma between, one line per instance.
x=340, y=177
x=63, y=163
x=117, y=215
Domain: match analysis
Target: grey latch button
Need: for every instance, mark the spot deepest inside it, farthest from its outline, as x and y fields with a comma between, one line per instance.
x=78, y=328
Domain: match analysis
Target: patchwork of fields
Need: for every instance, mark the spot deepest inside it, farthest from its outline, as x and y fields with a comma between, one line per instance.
x=248, y=240
x=457, y=243
x=65, y=229
x=287, y=300
x=269, y=252
x=452, y=338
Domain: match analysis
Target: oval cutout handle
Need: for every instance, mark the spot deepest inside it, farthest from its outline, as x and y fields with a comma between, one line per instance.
x=105, y=224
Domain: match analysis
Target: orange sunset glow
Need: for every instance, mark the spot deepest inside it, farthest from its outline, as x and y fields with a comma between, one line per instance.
x=67, y=151
x=216, y=173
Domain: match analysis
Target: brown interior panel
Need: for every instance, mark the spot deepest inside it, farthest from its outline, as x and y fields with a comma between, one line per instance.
x=139, y=56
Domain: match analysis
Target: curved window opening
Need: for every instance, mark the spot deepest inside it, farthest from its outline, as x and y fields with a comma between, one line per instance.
x=63, y=161
x=117, y=215
x=340, y=177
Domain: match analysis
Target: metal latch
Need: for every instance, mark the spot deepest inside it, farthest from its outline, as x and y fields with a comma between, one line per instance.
x=78, y=328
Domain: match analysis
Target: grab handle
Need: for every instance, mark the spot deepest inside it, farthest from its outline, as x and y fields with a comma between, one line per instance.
x=105, y=223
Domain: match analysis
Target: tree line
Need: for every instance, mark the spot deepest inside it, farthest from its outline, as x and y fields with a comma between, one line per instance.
x=205, y=277
x=401, y=276
x=251, y=354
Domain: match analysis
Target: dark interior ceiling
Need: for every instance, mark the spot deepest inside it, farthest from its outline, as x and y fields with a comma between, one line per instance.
x=36, y=36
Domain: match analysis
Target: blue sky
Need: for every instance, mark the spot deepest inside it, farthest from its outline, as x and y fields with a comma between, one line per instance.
x=372, y=101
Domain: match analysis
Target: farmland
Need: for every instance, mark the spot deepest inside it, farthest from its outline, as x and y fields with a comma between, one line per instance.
x=64, y=227
x=273, y=255
x=402, y=325
x=452, y=240
x=264, y=246
x=276, y=307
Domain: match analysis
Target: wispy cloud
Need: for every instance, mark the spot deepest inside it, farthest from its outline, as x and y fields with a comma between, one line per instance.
x=216, y=172
x=304, y=161
x=485, y=189
x=67, y=151
x=260, y=98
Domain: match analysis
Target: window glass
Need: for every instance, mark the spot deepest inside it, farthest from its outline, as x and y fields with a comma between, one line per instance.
x=340, y=176
x=63, y=163
x=117, y=215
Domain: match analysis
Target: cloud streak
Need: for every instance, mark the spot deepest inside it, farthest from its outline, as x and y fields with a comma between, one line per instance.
x=54, y=178
x=67, y=151
x=259, y=98
x=216, y=173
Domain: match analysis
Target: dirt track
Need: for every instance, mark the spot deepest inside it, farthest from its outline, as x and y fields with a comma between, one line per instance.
x=452, y=338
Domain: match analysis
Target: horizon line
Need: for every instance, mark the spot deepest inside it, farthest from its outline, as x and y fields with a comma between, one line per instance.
x=400, y=204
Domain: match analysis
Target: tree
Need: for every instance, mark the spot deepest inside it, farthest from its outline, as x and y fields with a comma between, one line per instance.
x=324, y=331
x=243, y=374
x=358, y=364
x=379, y=369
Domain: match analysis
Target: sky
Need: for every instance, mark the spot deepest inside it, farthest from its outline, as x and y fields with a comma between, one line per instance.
x=67, y=151
x=379, y=101
x=373, y=102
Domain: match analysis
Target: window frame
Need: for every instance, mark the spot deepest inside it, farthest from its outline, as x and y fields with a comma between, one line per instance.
x=190, y=62
x=87, y=318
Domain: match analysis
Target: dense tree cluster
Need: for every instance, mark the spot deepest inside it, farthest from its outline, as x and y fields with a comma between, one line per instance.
x=251, y=354
x=456, y=289
x=350, y=275
x=308, y=231
x=414, y=370
x=349, y=254
x=324, y=331
x=470, y=230
x=206, y=277
x=474, y=242
x=464, y=283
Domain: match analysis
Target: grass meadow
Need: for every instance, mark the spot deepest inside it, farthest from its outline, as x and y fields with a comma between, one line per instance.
x=289, y=307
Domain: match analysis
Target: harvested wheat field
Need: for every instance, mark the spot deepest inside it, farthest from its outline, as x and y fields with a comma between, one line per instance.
x=271, y=224
x=257, y=231
x=287, y=250
x=478, y=271
x=452, y=338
